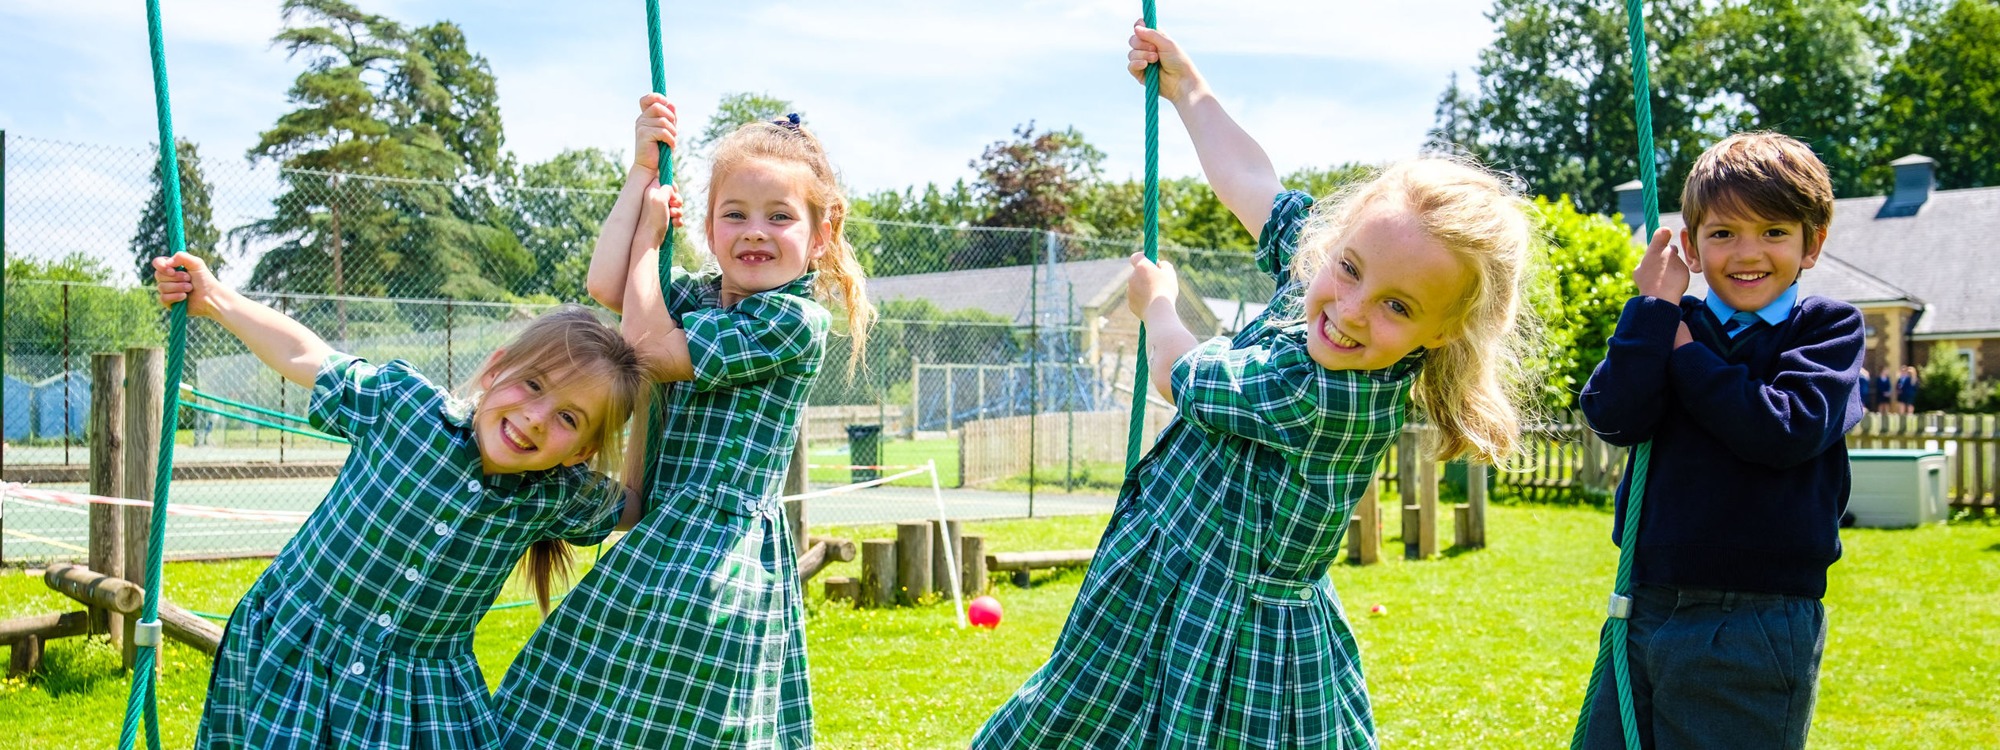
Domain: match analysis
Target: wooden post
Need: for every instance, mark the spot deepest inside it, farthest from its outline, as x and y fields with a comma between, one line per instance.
x=843, y=589
x=145, y=395
x=1470, y=529
x=878, y=573
x=913, y=560
x=795, y=484
x=1364, y=529
x=26, y=658
x=1427, y=508
x=1406, y=482
x=107, y=479
x=972, y=559
x=941, y=571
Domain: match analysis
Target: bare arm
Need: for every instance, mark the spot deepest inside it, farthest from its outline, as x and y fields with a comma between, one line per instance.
x=1150, y=293
x=1237, y=168
x=647, y=324
x=609, y=260
x=288, y=347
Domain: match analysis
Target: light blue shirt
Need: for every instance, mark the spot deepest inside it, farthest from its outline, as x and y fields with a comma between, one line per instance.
x=1737, y=321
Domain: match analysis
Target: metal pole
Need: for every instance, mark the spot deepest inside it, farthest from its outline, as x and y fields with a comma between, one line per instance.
x=65, y=372
x=1034, y=356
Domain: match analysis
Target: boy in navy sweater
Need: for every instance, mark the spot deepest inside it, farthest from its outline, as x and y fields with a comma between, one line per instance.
x=1747, y=396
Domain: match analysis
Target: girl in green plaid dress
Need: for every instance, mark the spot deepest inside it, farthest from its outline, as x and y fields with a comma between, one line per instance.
x=1207, y=619
x=359, y=634
x=689, y=633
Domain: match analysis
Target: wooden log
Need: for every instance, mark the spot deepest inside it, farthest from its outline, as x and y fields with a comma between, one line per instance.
x=1406, y=482
x=189, y=628
x=107, y=478
x=972, y=558
x=1469, y=527
x=44, y=627
x=843, y=589
x=913, y=560
x=942, y=573
x=811, y=562
x=878, y=573
x=95, y=589
x=1067, y=558
x=839, y=549
x=1364, y=529
x=145, y=392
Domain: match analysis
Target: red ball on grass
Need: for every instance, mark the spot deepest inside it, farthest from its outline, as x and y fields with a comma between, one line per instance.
x=984, y=612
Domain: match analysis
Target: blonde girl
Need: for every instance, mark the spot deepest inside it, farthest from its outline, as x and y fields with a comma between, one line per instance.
x=689, y=633
x=359, y=634
x=1207, y=618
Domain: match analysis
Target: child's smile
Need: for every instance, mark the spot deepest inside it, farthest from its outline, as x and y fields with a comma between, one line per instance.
x=1749, y=261
x=532, y=423
x=761, y=227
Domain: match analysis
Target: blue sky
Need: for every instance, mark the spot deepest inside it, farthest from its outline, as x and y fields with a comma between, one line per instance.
x=904, y=92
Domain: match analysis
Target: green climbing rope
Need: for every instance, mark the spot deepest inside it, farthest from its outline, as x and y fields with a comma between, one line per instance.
x=200, y=394
x=1140, y=386
x=143, y=698
x=262, y=423
x=1611, y=647
x=656, y=410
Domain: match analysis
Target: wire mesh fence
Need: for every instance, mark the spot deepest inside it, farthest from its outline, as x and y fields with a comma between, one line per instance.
x=1005, y=356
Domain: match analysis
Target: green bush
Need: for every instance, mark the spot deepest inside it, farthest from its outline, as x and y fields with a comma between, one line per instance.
x=1943, y=382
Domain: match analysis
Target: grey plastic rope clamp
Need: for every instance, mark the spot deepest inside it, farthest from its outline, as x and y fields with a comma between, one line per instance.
x=146, y=634
x=1620, y=607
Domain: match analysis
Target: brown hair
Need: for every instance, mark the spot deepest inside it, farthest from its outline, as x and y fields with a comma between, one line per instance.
x=570, y=339
x=1768, y=175
x=841, y=279
x=1471, y=387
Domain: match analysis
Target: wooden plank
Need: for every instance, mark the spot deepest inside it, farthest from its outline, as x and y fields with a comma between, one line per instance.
x=25, y=657
x=1406, y=481
x=189, y=628
x=795, y=484
x=941, y=570
x=107, y=477
x=878, y=573
x=837, y=549
x=145, y=392
x=1067, y=558
x=44, y=627
x=1427, y=509
x=811, y=563
x=1470, y=527
x=913, y=561
x=1364, y=541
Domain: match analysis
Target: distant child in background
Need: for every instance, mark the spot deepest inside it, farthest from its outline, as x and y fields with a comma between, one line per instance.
x=1885, y=393
x=359, y=634
x=1207, y=618
x=1906, y=390
x=1868, y=393
x=689, y=633
x=1747, y=397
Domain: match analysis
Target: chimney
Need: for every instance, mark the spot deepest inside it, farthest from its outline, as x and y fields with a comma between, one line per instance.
x=1632, y=204
x=1916, y=174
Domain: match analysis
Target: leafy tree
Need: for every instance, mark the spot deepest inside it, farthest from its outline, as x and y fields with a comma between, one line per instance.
x=197, y=217
x=1035, y=180
x=1944, y=381
x=1941, y=96
x=97, y=316
x=1586, y=269
x=905, y=232
x=738, y=109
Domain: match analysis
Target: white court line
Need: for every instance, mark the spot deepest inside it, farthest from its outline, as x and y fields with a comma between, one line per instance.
x=45, y=540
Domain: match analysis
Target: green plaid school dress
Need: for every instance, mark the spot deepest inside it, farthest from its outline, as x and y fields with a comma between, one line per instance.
x=1207, y=619
x=359, y=635
x=690, y=631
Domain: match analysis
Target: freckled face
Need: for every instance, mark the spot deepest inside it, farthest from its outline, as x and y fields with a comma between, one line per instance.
x=1388, y=289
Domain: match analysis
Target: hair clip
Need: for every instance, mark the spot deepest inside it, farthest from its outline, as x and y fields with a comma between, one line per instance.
x=789, y=122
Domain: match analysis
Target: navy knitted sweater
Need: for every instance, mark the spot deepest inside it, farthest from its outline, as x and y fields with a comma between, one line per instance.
x=1749, y=473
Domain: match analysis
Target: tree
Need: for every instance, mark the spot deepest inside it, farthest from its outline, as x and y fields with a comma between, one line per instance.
x=1805, y=69
x=1941, y=96
x=197, y=218
x=738, y=109
x=1553, y=103
x=1944, y=381
x=1586, y=278
x=1034, y=180
x=96, y=316
x=903, y=232
x=377, y=101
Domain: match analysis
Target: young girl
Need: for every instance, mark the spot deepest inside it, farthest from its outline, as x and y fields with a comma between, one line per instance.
x=359, y=634
x=689, y=633
x=1207, y=618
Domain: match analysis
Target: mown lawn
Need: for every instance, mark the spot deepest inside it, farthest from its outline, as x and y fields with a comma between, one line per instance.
x=1484, y=648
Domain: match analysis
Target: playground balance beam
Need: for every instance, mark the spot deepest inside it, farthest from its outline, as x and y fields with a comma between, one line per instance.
x=823, y=552
x=125, y=597
x=1020, y=564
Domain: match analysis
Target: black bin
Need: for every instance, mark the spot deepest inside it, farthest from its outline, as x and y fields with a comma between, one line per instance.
x=864, y=451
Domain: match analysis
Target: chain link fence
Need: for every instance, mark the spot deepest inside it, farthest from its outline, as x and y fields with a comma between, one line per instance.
x=1003, y=356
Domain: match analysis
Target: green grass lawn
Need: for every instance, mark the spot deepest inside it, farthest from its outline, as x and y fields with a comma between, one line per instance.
x=893, y=453
x=1484, y=648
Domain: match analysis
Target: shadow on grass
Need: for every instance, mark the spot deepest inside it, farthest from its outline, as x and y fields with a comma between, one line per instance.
x=78, y=665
